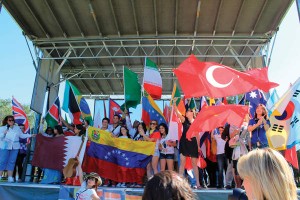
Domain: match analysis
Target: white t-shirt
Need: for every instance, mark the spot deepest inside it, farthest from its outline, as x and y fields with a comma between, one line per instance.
x=166, y=149
x=83, y=193
x=220, y=144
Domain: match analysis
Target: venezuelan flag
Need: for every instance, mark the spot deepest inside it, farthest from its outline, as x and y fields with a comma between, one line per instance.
x=118, y=159
x=151, y=111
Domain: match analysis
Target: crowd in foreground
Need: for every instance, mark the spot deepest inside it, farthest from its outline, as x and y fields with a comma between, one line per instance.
x=264, y=173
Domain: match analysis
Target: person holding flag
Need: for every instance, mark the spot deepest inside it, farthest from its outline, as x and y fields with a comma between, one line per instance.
x=258, y=127
x=188, y=148
x=10, y=145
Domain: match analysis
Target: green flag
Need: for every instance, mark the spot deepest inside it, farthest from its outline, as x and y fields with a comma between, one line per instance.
x=132, y=89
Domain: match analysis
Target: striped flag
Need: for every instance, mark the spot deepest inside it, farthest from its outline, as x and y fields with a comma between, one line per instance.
x=52, y=116
x=152, y=80
x=20, y=115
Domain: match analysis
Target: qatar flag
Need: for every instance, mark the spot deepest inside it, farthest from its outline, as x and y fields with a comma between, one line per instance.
x=215, y=80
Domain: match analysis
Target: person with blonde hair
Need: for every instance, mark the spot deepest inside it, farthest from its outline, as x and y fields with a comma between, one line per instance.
x=267, y=176
x=168, y=185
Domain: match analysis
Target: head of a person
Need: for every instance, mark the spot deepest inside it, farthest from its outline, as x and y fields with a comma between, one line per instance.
x=8, y=120
x=93, y=180
x=79, y=129
x=124, y=131
x=49, y=130
x=105, y=122
x=153, y=124
x=58, y=130
x=221, y=129
x=190, y=113
x=86, y=123
x=163, y=129
x=142, y=126
x=261, y=110
x=22, y=127
x=267, y=175
x=135, y=124
x=168, y=185
x=116, y=119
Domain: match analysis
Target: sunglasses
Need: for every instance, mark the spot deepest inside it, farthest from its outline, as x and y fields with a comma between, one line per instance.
x=152, y=123
x=11, y=120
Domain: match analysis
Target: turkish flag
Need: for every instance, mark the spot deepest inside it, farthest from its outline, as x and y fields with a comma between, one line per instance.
x=215, y=80
x=211, y=117
x=262, y=74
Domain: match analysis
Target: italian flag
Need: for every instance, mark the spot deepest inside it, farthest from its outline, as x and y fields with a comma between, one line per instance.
x=152, y=80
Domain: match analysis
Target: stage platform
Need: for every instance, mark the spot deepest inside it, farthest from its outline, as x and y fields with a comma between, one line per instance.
x=32, y=191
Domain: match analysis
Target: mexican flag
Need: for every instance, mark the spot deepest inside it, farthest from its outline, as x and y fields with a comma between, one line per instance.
x=152, y=80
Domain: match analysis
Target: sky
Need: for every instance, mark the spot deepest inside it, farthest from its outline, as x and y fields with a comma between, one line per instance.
x=18, y=72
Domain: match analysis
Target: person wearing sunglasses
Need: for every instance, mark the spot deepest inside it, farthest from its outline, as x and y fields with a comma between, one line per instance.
x=10, y=145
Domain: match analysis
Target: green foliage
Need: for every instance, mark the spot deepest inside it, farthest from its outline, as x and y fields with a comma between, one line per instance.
x=5, y=109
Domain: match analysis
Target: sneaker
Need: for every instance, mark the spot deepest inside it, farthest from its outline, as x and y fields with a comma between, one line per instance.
x=119, y=185
x=10, y=179
x=123, y=185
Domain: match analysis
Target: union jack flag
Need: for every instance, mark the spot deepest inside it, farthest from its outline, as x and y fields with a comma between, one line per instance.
x=20, y=115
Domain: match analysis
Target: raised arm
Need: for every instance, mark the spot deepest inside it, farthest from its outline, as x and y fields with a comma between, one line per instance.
x=66, y=123
x=182, y=119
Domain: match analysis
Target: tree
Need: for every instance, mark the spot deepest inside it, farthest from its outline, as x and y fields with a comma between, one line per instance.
x=5, y=109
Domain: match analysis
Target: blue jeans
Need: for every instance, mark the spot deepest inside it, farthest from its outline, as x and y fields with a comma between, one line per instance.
x=8, y=159
x=222, y=165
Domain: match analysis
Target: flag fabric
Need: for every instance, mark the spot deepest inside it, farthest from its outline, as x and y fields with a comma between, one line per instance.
x=211, y=117
x=85, y=109
x=151, y=111
x=271, y=101
x=20, y=115
x=54, y=153
x=167, y=113
x=255, y=97
x=203, y=102
x=132, y=89
x=191, y=104
x=242, y=101
x=224, y=101
x=175, y=127
x=212, y=102
x=118, y=159
x=262, y=74
x=285, y=126
x=176, y=96
x=52, y=116
x=215, y=80
x=97, y=114
x=114, y=109
x=70, y=104
x=152, y=80
x=291, y=156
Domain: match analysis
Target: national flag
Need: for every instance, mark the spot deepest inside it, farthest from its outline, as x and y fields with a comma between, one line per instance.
x=212, y=102
x=271, y=101
x=191, y=104
x=151, y=111
x=176, y=96
x=97, y=115
x=215, y=80
x=211, y=117
x=175, y=126
x=54, y=153
x=70, y=104
x=262, y=74
x=167, y=113
x=152, y=80
x=285, y=126
x=20, y=115
x=118, y=159
x=224, y=101
x=255, y=97
x=85, y=109
x=203, y=102
x=242, y=101
x=52, y=116
x=114, y=109
x=291, y=156
x=132, y=89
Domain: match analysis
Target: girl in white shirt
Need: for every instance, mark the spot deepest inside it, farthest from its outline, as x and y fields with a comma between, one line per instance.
x=89, y=185
x=10, y=145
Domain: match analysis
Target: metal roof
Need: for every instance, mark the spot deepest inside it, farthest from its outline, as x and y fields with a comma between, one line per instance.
x=93, y=39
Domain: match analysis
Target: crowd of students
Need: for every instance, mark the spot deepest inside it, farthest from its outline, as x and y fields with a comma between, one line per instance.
x=222, y=156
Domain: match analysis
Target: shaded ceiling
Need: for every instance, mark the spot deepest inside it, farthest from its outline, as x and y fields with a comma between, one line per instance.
x=93, y=40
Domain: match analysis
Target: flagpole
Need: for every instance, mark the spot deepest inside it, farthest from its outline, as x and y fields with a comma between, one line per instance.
x=124, y=87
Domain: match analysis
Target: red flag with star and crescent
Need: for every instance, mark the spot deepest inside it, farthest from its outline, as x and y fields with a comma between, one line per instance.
x=215, y=80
